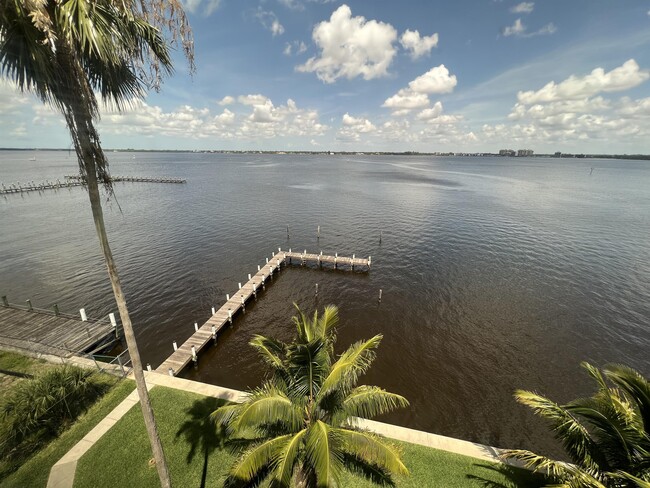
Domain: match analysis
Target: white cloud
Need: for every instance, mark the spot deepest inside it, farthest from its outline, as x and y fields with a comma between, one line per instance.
x=418, y=46
x=263, y=120
x=436, y=80
x=299, y=4
x=256, y=99
x=351, y=47
x=523, y=8
x=353, y=127
x=430, y=113
x=270, y=21
x=415, y=96
x=227, y=100
x=207, y=7
x=518, y=29
x=406, y=100
x=622, y=78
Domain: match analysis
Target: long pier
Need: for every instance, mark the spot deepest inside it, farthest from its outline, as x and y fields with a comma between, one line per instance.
x=51, y=332
x=223, y=317
x=134, y=179
x=77, y=180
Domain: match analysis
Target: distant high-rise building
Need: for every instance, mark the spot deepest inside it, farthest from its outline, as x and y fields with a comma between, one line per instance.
x=507, y=152
x=525, y=152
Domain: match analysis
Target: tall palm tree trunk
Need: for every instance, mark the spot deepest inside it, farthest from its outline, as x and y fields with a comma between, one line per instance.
x=86, y=141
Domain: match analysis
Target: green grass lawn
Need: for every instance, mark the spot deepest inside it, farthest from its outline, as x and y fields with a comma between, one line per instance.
x=36, y=470
x=17, y=363
x=196, y=457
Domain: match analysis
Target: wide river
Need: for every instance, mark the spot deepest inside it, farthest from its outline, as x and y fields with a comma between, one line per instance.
x=496, y=273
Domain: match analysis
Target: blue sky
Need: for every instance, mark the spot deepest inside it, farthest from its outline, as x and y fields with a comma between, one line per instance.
x=479, y=75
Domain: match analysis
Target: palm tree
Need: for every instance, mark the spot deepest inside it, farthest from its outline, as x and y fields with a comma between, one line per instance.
x=66, y=51
x=299, y=425
x=606, y=436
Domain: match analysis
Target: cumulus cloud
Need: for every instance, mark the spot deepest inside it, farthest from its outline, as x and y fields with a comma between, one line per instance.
x=416, y=45
x=351, y=47
x=575, y=111
x=416, y=95
x=518, y=29
x=227, y=100
x=430, y=113
x=206, y=7
x=523, y=8
x=353, y=127
x=270, y=21
x=252, y=117
x=626, y=76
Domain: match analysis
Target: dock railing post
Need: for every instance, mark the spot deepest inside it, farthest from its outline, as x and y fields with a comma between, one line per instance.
x=194, y=356
x=111, y=317
x=196, y=327
x=171, y=371
x=148, y=367
x=214, y=334
x=84, y=317
x=175, y=346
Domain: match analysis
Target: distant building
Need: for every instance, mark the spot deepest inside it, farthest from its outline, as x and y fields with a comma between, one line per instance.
x=507, y=152
x=524, y=152
x=558, y=154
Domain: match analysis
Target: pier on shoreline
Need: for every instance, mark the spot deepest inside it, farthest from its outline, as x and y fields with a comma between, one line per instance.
x=219, y=319
x=71, y=181
x=51, y=332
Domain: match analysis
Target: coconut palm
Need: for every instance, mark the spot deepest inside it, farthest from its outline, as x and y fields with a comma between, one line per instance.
x=69, y=51
x=298, y=427
x=606, y=436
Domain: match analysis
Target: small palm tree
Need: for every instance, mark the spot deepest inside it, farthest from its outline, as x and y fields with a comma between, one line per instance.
x=68, y=51
x=298, y=426
x=606, y=436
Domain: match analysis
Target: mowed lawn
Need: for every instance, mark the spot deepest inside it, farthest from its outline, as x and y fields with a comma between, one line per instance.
x=197, y=457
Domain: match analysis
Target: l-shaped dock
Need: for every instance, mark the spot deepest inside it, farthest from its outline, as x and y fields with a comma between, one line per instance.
x=207, y=332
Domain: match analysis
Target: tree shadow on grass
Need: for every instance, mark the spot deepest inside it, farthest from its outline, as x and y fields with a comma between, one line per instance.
x=516, y=477
x=201, y=433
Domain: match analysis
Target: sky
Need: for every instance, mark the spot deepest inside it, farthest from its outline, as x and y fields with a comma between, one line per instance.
x=374, y=75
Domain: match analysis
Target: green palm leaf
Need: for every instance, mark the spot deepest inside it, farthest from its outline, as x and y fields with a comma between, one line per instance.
x=576, y=439
x=353, y=363
x=368, y=402
x=322, y=451
x=287, y=458
x=257, y=458
x=371, y=449
x=635, y=385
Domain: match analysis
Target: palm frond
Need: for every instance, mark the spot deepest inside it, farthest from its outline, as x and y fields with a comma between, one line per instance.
x=574, y=436
x=270, y=350
x=368, y=402
x=322, y=452
x=287, y=458
x=257, y=458
x=267, y=406
x=635, y=385
x=372, y=449
x=558, y=470
x=345, y=372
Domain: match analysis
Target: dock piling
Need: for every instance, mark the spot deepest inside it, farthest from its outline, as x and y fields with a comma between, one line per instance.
x=380, y=294
x=171, y=371
x=29, y=305
x=148, y=367
x=316, y=289
x=175, y=346
x=214, y=334
x=196, y=327
x=56, y=310
x=84, y=317
x=212, y=310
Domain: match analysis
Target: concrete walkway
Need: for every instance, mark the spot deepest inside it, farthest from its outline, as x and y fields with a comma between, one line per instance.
x=62, y=473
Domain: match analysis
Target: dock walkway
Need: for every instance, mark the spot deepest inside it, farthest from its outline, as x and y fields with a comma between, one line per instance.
x=44, y=332
x=224, y=316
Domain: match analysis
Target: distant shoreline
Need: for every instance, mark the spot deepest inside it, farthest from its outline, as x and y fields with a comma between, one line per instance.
x=358, y=153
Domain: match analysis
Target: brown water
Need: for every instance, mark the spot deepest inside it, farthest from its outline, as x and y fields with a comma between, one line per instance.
x=496, y=273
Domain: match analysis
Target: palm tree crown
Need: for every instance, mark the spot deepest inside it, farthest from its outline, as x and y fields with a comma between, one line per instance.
x=298, y=425
x=606, y=435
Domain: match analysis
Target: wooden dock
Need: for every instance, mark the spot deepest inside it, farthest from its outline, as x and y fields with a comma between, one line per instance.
x=133, y=179
x=76, y=180
x=45, y=332
x=223, y=317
